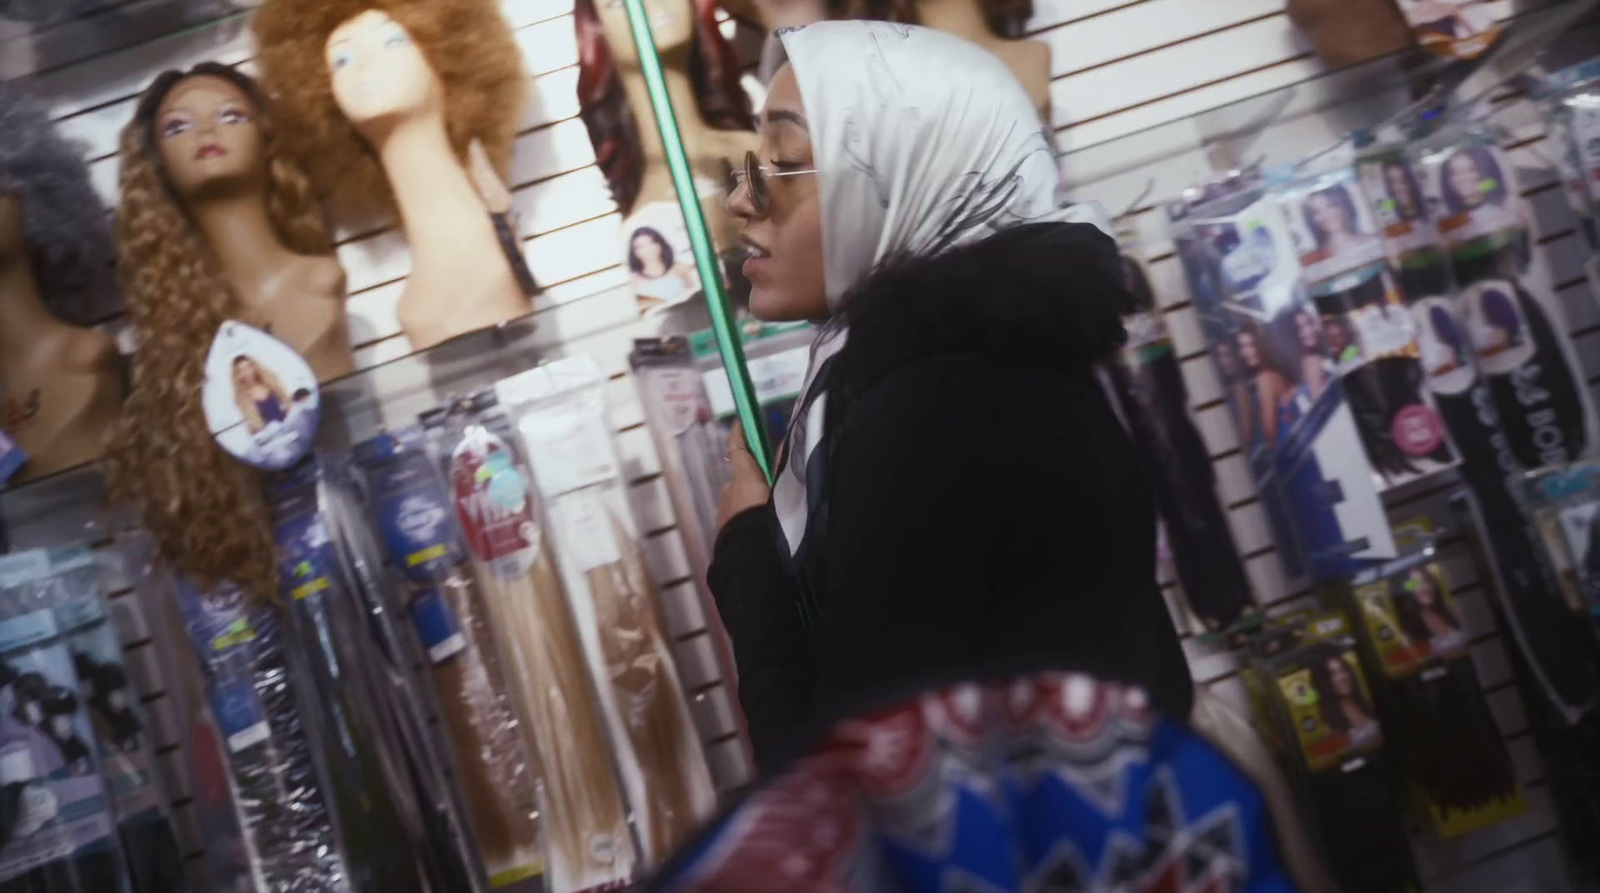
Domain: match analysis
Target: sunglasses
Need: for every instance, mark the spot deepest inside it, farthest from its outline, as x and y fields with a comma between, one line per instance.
x=756, y=178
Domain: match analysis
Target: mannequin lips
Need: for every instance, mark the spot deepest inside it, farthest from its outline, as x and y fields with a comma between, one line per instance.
x=209, y=150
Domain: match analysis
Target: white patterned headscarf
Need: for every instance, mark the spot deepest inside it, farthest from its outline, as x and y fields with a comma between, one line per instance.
x=923, y=141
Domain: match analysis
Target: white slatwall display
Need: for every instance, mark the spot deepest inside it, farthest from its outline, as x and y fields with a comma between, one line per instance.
x=1119, y=67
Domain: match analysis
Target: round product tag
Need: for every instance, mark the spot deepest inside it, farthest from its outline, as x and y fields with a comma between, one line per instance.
x=1417, y=430
x=261, y=399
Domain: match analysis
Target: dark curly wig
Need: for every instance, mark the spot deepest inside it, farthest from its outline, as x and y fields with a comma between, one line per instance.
x=67, y=234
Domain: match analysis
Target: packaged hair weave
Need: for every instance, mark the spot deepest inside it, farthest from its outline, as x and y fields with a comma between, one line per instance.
x=585, y=816
x=413, y=514
x=1572, y=111
x=1147, y=385
x=58, y=831
x=1563, y=503
x=560, y=413
x=1428, y=688
x=1325, y=712
x=353, y=699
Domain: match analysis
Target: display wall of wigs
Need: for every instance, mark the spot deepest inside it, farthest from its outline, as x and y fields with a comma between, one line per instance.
x=1427, y=686
x=1507, y=301
x=77, y=728
x=587, y=839
x=559, y=410
x=1348, y=33
x=413, y=514
x=409, y=107
x=348, y=695
x=215, y=222
x=1321, y=702
x=1295, y=423
x=715, y=121
x=1147, y=386
x=61, y=381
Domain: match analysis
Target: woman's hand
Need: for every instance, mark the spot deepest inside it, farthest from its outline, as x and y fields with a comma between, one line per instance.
x=748, y=486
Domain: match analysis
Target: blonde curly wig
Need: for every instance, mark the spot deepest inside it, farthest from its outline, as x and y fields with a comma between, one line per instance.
x=469, y=46
x=204, y=508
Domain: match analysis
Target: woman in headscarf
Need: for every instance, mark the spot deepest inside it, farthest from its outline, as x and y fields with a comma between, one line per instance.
x=956, y=497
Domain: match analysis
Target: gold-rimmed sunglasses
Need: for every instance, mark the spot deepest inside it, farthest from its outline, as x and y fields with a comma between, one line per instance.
x=755, y=176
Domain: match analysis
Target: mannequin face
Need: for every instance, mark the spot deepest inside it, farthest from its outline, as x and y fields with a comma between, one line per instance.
x=380, y=75
x=671, y=24
x=209, y=137
x=10, y=225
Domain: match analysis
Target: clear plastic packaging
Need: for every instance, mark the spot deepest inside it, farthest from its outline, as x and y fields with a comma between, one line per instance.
x=411, y=510
x=559, y=411
x=59, y=828
x=588, y=844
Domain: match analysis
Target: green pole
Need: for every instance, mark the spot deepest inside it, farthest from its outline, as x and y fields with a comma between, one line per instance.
x=705, y=255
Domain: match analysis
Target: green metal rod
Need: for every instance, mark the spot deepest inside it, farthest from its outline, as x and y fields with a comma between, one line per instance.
x=705, y=255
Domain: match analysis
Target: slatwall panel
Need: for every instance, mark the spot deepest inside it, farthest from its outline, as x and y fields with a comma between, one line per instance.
x=1119, y=66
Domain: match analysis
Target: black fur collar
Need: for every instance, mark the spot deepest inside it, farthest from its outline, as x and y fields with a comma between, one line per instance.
x=1046, y=293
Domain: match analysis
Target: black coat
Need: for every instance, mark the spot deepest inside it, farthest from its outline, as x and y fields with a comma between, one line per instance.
x=982, y=508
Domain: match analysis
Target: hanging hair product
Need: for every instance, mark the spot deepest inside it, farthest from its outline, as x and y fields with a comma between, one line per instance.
x=1428, y=688
x=587, y=840
x=60, y=831
x=560, y=412
x=203, y=507
x=1571, y=101
x=412, y=513
x=1147, y=384
x=1325, y=712
x=1564, y=503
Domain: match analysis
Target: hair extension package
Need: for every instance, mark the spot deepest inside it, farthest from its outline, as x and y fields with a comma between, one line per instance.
x=587, y=841
x=560, y=413
x=412, y=511
x=1323, y=707
x=1146, y=384
x=58, y=826
x=1572, y=112
x=1453, y=751
x=1563, y=503
x=1295, y=426
x=358, y=697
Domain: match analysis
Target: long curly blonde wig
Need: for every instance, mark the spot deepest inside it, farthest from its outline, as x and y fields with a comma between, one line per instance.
x=204, y=508
x=467, y=43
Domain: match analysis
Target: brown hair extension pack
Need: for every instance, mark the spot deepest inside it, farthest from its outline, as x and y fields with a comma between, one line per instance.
x=1006, y=18
x=204, y=508
x=713, y=68
x=469, y=46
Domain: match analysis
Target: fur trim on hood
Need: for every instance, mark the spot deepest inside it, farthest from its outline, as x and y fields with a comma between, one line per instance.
x=1050, y=294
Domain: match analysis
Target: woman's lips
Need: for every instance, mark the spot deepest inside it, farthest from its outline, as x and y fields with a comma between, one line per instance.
x=758, y=255
x=209, y=150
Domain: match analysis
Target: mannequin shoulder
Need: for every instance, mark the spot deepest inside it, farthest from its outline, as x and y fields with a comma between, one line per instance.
x=91, y=350
x=322, y=276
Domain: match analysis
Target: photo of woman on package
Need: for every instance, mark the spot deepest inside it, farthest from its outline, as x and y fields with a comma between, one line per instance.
x=1336, y=229
x=105, y=688
x=1444, y=346
x=660, y=275
x=1423, y=612
x=259, y=394
x=1237, y=388
x=1476, y=194
x=1316, y=366
x=1275, y=389
x=1342, y=703
x=1401, y=194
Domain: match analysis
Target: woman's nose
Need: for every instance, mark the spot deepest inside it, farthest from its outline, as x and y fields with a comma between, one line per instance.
x=739, y=204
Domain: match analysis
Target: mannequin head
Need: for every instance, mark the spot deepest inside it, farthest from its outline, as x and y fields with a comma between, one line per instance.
x=49, y=211
x=204, y=508
x=349, y=73
x=1006, y=18
x=606, y=50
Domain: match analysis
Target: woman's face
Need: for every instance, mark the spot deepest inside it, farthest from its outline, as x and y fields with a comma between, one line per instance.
x=1425, y=593
x=379, y=74
x=209, y=138
x=1249, y=353
x=785, y=265
x=61, y=725
x=1306, y=330
x=1227, y=360
x=1344, y=682
x=1327, y=214
x=649, y=253
x=32, y=713
x=1464, y=176
x=246, y=373
x=1400, y=187
x=1334, y=334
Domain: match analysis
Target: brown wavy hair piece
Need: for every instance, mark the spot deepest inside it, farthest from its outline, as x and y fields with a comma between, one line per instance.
x=469, y=46
x=713, y=69
x=1006, y=18
x=204, y=508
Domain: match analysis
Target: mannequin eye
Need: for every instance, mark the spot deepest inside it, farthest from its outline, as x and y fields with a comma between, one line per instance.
x=233, y=116
x=174, y=125
x=396, y=38
x=340, y=59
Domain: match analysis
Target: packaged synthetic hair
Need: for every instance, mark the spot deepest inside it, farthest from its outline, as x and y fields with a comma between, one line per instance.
x=413, y=515
x=350, y=695
x=1571, y=101
x=559, y=410
x=1323, y=707
x=1447, y=739
x=1563, y=503
x=1147, y=386
x=59, y=810
x=1508, y=305
x=587, y=840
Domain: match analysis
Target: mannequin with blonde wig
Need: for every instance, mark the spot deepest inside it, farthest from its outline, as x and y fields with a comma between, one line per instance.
x=61, y=382
x=410, y=107
x=214, y=223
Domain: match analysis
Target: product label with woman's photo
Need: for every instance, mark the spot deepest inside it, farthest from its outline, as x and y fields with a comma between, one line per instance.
x=1332, y=228
x=1399, y=207
x=261, y=398
x=659, y=256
